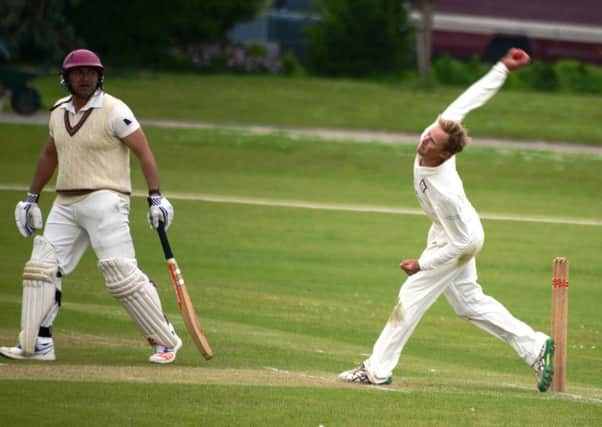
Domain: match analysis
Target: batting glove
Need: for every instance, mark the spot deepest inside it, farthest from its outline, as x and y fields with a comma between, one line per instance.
x=28, y=215
x=159, y=211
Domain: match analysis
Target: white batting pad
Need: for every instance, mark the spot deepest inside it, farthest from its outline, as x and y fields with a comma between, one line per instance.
x=132, y=287
x=39, y=291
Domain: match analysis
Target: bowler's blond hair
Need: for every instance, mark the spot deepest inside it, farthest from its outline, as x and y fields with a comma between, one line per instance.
x=458, y=135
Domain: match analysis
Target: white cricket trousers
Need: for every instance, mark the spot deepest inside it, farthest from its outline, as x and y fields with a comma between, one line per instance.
x=101, y=219
x=458, y=282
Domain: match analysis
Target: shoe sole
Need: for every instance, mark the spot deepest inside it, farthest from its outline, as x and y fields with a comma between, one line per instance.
x=13, y=356
x=548, y=369
x=177, y=347
x=345, y=376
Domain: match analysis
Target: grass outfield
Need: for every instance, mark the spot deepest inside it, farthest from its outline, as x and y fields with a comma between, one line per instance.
x=289, y=297
x=347, y=104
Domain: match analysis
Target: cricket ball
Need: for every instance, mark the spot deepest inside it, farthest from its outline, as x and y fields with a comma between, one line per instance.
x=518, y=55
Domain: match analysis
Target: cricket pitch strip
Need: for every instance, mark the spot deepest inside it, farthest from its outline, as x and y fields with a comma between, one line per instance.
x=264, y=377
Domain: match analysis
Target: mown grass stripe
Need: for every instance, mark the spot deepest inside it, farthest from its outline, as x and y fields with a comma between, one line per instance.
x=217, y=198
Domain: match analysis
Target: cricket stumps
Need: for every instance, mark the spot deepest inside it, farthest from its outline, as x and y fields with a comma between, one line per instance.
x=560, y=312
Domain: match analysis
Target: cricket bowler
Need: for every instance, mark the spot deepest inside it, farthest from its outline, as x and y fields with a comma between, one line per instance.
x=447, y=265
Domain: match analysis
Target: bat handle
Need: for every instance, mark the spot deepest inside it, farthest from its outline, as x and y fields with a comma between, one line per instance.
x=163, y=237
x=164, y=242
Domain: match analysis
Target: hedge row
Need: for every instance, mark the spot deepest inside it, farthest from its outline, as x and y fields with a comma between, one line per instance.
x=562, y=76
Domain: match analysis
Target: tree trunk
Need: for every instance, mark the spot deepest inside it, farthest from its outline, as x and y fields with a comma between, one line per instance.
x=424, y=29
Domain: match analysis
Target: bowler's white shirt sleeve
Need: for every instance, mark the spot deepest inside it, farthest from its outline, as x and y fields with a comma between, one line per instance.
x=477, y=94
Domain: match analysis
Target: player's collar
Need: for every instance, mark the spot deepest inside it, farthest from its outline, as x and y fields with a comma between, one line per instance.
x=432, y=170
x=95, y=101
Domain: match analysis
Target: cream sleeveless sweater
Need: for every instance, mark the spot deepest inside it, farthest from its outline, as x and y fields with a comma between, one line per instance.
x=90, y=157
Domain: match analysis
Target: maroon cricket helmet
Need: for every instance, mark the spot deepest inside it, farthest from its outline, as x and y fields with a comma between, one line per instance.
x=81, y=58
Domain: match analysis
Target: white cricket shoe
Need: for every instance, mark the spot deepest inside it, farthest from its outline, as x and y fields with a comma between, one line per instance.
x=544, y=365
x=163, y=354
x=44, y=350
x=362, y=376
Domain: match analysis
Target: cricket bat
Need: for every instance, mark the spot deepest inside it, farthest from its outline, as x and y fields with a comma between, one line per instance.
x=191, y=320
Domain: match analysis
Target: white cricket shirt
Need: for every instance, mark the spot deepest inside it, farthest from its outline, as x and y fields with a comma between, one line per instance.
x=440, y=191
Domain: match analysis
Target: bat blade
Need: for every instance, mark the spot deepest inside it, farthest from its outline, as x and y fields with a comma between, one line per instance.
x=191, y=320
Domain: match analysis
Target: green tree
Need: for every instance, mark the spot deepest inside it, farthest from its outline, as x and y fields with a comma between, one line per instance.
x=141, y=32
x=36, y=31
x=359, y=38
x=135, y=32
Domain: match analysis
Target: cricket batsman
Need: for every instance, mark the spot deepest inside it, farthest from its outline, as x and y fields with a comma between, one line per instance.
x=447, y=265
x=91, y=135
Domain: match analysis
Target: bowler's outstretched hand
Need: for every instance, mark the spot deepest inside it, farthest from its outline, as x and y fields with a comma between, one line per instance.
x=515, y=59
